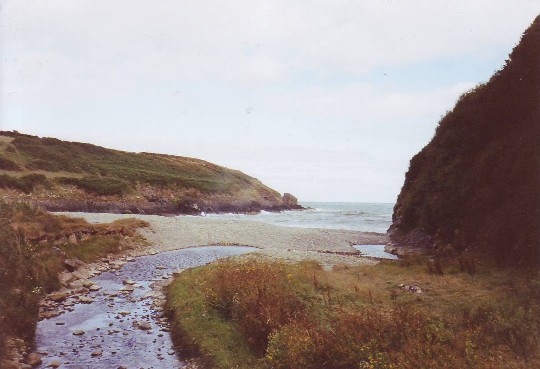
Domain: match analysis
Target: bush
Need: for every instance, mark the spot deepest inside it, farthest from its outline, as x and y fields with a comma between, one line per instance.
x=8, y=164
x=40, y=164
x=299, y=316
x=25, y=183
x=90, y=250
x=102, y=186
x=261, y=297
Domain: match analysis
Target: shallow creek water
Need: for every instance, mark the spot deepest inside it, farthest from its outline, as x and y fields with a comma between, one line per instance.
x=112, y=336
x=375, y=251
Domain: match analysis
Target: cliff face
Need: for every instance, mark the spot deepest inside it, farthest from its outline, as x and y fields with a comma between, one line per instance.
x=476, y=185
x=74, y=176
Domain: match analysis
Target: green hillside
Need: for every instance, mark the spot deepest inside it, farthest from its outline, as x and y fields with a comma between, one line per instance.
x=476, y=185
x=63, y=175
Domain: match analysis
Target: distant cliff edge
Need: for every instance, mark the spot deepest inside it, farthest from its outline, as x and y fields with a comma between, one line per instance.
x=476, y=185
x=72, y=176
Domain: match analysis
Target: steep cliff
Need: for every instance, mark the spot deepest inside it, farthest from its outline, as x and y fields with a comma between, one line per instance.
x=74, y=176
x=476, y=185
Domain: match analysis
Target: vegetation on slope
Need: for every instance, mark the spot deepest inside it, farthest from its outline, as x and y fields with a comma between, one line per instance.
x=33, y=247
x=476, y=185
x=255, y=314
x=29, y=163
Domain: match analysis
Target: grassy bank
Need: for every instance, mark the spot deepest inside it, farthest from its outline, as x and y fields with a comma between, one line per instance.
x=33, y=247
x=254, y=314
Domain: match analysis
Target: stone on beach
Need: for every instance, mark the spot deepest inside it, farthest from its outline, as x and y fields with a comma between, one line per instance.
x=73, y=264
x=85, y=299
x=145, y=326
x=58, y=296
x=34, y=359
x=65, y=278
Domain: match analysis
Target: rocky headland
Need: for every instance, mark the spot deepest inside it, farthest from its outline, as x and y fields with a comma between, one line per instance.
x=72, y=176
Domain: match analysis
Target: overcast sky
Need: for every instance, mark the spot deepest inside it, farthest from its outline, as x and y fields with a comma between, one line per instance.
x=328, y=100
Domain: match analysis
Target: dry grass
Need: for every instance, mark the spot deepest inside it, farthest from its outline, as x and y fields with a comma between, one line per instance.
x=272, y=315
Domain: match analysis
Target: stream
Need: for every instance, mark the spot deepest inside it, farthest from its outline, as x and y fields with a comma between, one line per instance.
x=122, y=328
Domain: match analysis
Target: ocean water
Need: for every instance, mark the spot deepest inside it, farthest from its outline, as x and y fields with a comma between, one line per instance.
x=365, y=217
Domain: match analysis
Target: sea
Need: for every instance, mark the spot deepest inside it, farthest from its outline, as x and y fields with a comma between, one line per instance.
x=356, y=216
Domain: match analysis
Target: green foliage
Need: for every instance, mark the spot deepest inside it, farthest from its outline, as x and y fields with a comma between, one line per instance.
x=261, y=297
x=23, y=275
x=476, y=184
x=99, y=185
x=25, y=183
x=113, y=172
x=249, y=314
x=90, y=250
x=8, y=164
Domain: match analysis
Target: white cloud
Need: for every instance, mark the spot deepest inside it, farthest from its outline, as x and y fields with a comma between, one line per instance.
x=180, y=76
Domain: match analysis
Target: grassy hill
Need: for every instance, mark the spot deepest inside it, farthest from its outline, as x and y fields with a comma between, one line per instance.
x=61, y=175
x=476, y=185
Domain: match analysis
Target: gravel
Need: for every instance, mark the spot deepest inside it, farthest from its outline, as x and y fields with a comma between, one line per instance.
x=293, y=244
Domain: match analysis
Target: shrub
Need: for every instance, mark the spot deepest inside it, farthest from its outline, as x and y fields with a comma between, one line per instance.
x=299, y=316
x=261, y=297
x=8, y=164
x=25, y=183
x=102, y=186
x=90, y=250
x=40, y=164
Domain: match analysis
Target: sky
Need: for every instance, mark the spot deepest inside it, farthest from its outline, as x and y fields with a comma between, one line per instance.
x=328, y=100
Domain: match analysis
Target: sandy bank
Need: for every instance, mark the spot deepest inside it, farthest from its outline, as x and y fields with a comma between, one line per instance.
x=295, y=244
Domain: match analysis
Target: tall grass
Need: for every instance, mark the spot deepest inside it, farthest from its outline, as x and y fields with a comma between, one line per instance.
x=300, y=316
x=25, y=183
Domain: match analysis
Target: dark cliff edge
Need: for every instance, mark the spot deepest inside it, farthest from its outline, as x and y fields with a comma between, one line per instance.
x=476, y=186
x=71, y=176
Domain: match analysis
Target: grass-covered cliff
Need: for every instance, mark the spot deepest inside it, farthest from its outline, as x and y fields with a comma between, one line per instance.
x=61, y=175
x=476, y=185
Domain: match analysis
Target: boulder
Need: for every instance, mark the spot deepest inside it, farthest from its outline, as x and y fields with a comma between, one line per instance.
x=72, y=238
x=145, y=326
x=290, y=200
x=87, y=283
x=72, y=264
x=58, y=296
x=65, y=278
x=34, y=359
x=86, y=299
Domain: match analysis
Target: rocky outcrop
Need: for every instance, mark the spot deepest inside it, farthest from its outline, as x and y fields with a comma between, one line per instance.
x=476, y=185
x=291, y=201
x=165, y=207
